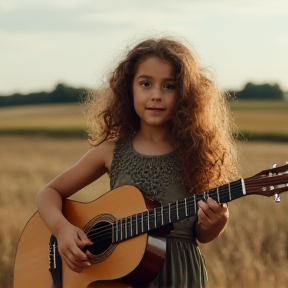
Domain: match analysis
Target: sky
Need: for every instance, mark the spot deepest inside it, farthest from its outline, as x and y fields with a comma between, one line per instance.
x=75, y=42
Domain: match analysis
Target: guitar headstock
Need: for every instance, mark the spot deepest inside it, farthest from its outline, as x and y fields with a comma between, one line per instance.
x=269, y=182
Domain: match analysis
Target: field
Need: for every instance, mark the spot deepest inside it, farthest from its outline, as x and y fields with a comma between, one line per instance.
x=253, y=250
x=262, y=118
x=267, y=120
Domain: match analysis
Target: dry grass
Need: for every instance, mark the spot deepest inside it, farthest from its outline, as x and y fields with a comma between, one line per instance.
x=42, y=116
x=252, y=121
x=251, y=253
x=261, y=116
x=251, y=117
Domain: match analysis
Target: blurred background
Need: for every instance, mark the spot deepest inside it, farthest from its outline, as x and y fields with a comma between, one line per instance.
x=51, y=51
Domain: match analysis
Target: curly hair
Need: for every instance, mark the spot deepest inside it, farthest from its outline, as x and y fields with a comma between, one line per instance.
x=202, y=126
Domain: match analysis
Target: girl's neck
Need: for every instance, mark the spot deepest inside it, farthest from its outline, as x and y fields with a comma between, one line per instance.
x=154, y=134
x=152, y=141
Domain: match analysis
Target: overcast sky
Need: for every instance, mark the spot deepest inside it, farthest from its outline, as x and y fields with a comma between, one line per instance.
x=45, y=42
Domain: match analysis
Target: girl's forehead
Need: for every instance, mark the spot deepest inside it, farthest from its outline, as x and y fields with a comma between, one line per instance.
x=155, y=65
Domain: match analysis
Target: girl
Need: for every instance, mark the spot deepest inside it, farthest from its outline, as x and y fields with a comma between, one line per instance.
x=162, y=126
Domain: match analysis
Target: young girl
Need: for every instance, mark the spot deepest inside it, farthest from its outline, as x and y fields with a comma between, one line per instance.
x=162, y=126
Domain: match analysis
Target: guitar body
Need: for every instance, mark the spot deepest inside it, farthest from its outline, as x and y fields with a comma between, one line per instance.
x=136, y=260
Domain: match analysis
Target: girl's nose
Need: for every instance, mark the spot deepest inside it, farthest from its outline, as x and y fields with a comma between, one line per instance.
x=156, y=95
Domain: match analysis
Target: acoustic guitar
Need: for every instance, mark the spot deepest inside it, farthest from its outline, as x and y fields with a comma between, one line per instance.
x=127, y=231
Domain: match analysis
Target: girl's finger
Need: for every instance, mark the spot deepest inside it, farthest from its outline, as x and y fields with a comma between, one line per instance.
x=84, y=239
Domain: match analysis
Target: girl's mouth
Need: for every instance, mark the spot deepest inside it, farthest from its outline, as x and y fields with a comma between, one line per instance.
x=155, y=109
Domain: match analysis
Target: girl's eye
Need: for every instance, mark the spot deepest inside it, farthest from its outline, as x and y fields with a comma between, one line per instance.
x=170, y=86
x=145, y=84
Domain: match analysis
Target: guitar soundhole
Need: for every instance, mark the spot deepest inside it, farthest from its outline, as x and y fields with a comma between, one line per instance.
x=99, y=231
x=101, y=236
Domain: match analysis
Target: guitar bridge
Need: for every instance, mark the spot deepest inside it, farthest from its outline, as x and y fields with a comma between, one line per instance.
x=55, y=263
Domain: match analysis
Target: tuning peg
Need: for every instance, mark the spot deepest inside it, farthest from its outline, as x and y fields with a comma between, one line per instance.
x=274, y=165
x=277, y=198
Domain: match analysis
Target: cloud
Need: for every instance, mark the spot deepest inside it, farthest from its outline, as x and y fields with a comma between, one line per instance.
x=9, y=5
x=90, y=16
x=78, y=36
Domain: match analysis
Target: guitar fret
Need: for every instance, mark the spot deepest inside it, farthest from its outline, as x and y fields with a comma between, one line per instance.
x=169, y=205
x=142, y=225
x=165, y=214
x=188, y=205
x=243, y=186
x=116, y=231
x=121, y=229
x=173, y=212
x=217, y=191
x=148, y=220
x=195, y=207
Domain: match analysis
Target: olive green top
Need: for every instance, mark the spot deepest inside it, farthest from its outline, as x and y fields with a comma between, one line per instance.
x=158, y=179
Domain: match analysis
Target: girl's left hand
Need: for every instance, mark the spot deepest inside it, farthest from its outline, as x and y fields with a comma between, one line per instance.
x=212, y=218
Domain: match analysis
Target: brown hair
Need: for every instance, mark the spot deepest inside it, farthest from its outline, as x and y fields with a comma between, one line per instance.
x=201, y=126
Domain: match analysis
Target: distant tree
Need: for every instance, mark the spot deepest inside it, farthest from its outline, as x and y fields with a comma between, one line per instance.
x=64, y=94
x=260, y=92
x=61, y=94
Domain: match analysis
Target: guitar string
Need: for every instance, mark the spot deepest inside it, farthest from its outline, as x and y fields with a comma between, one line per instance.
x=106, y=231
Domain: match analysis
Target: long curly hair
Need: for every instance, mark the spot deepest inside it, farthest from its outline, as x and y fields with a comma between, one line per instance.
x=202, y=126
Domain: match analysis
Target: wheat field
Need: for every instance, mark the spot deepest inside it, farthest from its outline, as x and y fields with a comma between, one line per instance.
x=252, y=252
x=250, y=116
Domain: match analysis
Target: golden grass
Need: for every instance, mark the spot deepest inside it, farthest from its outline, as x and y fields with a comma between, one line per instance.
x=252, y=252
x=261, y=116
x=262, y=121
x=251, y=117
x=42, y=116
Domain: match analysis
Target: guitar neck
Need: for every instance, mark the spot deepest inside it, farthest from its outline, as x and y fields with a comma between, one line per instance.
x=148, y=220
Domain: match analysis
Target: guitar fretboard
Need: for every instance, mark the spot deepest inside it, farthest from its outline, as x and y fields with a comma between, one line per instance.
x=148, y=220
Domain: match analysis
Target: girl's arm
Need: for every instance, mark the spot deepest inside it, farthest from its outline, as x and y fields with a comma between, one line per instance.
x=212, y=219
x=71, y=239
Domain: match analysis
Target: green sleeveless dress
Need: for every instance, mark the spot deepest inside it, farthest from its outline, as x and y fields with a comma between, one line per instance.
x=158, y=177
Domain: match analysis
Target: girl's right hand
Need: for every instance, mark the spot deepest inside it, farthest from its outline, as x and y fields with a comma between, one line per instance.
x=71, y=242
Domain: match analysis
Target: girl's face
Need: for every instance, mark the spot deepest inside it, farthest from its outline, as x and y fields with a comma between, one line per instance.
x=154, y=91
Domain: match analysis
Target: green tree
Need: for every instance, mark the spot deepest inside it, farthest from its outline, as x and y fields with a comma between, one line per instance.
x=61, y=94
x=260, y=92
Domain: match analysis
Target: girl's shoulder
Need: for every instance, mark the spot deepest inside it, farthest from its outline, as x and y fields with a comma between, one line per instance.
x=103, y=153
x=106, y=147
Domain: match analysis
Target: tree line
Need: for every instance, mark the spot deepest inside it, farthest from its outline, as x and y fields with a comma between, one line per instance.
x=259, y=92
x=65, y=94
x=61, y=94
